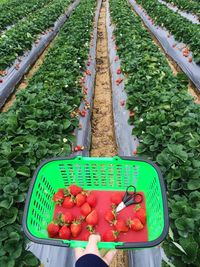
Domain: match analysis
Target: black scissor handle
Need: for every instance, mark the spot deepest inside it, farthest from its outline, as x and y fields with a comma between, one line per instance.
x=130, y=197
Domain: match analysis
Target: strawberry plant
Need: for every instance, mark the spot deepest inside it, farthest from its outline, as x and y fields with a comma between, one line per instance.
x=13, y=11
x=189, y=6
x=39, y=126
x=181, y=28
x=167, y=123
x=20, y=38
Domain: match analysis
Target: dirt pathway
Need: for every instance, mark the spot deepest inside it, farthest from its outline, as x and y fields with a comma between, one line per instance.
x=103, y=137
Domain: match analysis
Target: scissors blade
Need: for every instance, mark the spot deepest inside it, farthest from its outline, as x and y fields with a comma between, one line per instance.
x=120, y=207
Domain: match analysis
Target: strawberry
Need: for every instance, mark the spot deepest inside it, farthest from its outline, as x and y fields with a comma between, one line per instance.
x=141, y=215
x=110, y=236
x=85, y=209
x=80, y=199
x=120, y=226
x=92, y=200
x=64, y=232
x=80, y=126
x=1, y=80
x=116, y=58
x=134, y=152
x=88, y=72
x=92, y=218
x=119, y=71
x=190, y=59
x=122, y=103
x=86, y=236
x=68, y=202
x=118, y=81
x=53, y=229
x=74, y=189
x=78, y=148
x=110, y=216
x=58, y=197
x=83, y=113
x=135, y=224
x=76, y=228
x=67, y=217
x=116, y=198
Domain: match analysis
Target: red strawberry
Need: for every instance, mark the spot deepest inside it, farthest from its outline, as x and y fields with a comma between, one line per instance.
x=64, y=232
x=92, y=218
x=83, y=113
x=68, y=203
x=134, y=152
x=78, y=148
x=141, y=215
x=53, y=229
x=135, y=224
x=119, y=71
x=190, y=59
x=120, y=226
x=116, y=198
x=74, y=189
x=80, y=199
x=109, y=216
x=118, y=81
x=76, y=228
x=110, y=236
x=59, y=196
x=67, y=217
x=1, y=80
x=85, y=209
x=92, y=200
x=88, y=72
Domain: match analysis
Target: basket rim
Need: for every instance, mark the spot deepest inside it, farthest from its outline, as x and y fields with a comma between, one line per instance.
x=126, y=245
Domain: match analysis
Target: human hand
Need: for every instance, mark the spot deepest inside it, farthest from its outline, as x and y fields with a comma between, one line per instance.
x=93, y=249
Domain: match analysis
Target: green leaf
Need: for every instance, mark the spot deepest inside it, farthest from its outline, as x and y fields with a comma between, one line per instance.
x=30, y=259
x=24, y=171
x=6, y=203
x=177, y=151
x=193, y=184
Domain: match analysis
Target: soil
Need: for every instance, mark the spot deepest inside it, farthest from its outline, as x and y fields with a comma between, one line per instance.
x=24, y=83
x=103, y=138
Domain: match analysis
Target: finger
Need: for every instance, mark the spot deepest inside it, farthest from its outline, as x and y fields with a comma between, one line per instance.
x=79, y=252
x=109, y=256
x=92, y=244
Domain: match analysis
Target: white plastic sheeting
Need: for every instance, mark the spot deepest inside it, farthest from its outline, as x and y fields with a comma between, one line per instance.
x=51, y=256
x=192, y=70
x=126, y=143
x=191, y=17
x=14, y=75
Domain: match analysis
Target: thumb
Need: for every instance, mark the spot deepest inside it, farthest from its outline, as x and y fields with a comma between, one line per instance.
x=109, y=256
x=92, y=245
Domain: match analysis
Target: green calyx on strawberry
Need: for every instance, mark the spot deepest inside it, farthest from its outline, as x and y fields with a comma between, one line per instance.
x=74, y=190
x=135, y=224
x=110, y=236
x=59, y=196
x=92, y=218
x=110, y=216
x=65, y=218
x=68, y=202
x=120, y=226
x=76, y=227
x=53, y=229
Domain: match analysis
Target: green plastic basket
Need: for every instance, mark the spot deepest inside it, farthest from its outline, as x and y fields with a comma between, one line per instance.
x=95, y=174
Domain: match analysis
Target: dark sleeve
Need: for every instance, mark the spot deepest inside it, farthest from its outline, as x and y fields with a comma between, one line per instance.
x=90, y=260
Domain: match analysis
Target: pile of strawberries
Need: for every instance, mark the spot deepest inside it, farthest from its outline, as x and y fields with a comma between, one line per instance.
x=67, y=226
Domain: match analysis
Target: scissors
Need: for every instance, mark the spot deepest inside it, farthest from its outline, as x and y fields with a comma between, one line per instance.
x=129, y=198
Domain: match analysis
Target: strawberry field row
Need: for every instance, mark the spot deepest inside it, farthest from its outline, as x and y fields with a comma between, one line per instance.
x=39, y=126
x=189, y=6
x=13, y=11
x=167, y=123
x=182, y=29
x=21, y=37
